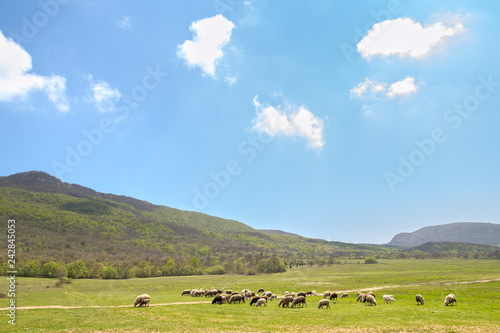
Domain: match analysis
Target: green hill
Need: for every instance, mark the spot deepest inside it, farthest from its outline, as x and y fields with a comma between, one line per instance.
x=66, y=227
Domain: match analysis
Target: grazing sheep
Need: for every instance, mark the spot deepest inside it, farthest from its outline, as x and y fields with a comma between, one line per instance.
x=218, y=300
x=301, y=293
x=299, y=300
x=324, y=302
x=286, y=293
x=333, y=296
x=285, y=301
x=361, y=297
x=309, y=293
x=261, y=290
x=236, y=298
x=293, y=294
x=186, y=292
x=199, y=293
x=268, y=294
x=370, y=293
x=220, y=291
x=261, y=302
x=314, y=293
x=209, y=293
x=265, y=297
x=344, y=295
x=254, y=300
x=450, y=299
x=388, y=299
x=327, y=294
x=193, y=291
x=142, y=300
x=249, y=294
x=273, y=297
x=420, y=299
x=229, y=292
x=370, y=299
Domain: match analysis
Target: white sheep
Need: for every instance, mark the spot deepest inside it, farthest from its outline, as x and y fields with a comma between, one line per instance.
x=450, y=299
x=142, y=300
x=324, y=303
x=389, y=299
x=261, y=301
x=273, y=297
x=314, y=293
x=327, y=294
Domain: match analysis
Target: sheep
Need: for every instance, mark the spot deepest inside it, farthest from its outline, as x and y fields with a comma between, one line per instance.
x=324, y=302
x=285, y=301
x=388, y=299
x=370, y=293
x=344, y=295
x=333, y=296
x=236, y=298
x=293, y=294
x=314, y=293
x=265, y=297
x=193, y=291
x=218, y=300
x=261, y=301
x=142, y=300
x=299, y=300
x=249, y=294
x=229, y=292
x=261, y=290
x=254, y=300
x=301, y=293
x=327, y=294
x=273, y=297
x=287, y=292
x=361, y=297
x=199, y=293
x=209, y=293
x=186, y=292
x=309, y=293
x=420, y=299
x=450, y=299
x=268, y=294
x=370, y=299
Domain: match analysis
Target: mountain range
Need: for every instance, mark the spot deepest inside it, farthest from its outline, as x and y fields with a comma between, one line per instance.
x=63, y=223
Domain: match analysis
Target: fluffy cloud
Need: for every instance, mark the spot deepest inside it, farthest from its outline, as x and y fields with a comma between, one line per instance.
x=298, y=122
x=404, y=87
x=404, y=37
x=16, y=81
x=103, y=96
x=369, y=89
x=210, y=35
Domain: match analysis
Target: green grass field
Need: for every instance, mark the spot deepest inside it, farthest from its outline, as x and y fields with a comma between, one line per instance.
x=478, y=308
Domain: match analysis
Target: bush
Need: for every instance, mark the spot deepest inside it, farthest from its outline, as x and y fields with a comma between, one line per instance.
x=216, y=270
x=370, y=260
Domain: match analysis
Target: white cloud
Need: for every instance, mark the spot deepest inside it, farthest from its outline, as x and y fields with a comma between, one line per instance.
x=16, y=82
x=404, y=37
x=367, y=89
x=297, y=122
x=404, y=87
x=231, y=79
x=205, y=50
x=124, y=23
x=103, y=96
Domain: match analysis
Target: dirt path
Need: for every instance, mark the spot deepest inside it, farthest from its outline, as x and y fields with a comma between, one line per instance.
x=208, y=302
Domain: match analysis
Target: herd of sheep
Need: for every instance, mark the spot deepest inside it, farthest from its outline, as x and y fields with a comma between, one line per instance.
x=290, y=299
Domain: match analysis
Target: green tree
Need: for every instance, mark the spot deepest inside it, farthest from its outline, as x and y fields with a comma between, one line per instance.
x=77, y=269
x=50, y=269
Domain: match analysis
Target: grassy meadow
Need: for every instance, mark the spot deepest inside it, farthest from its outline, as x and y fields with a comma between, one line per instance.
x=478, y=308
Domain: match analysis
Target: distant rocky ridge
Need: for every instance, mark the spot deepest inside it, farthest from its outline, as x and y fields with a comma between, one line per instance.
x=462, y=232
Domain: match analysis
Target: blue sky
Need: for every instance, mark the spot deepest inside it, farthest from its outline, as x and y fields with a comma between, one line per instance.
x=348, y=121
